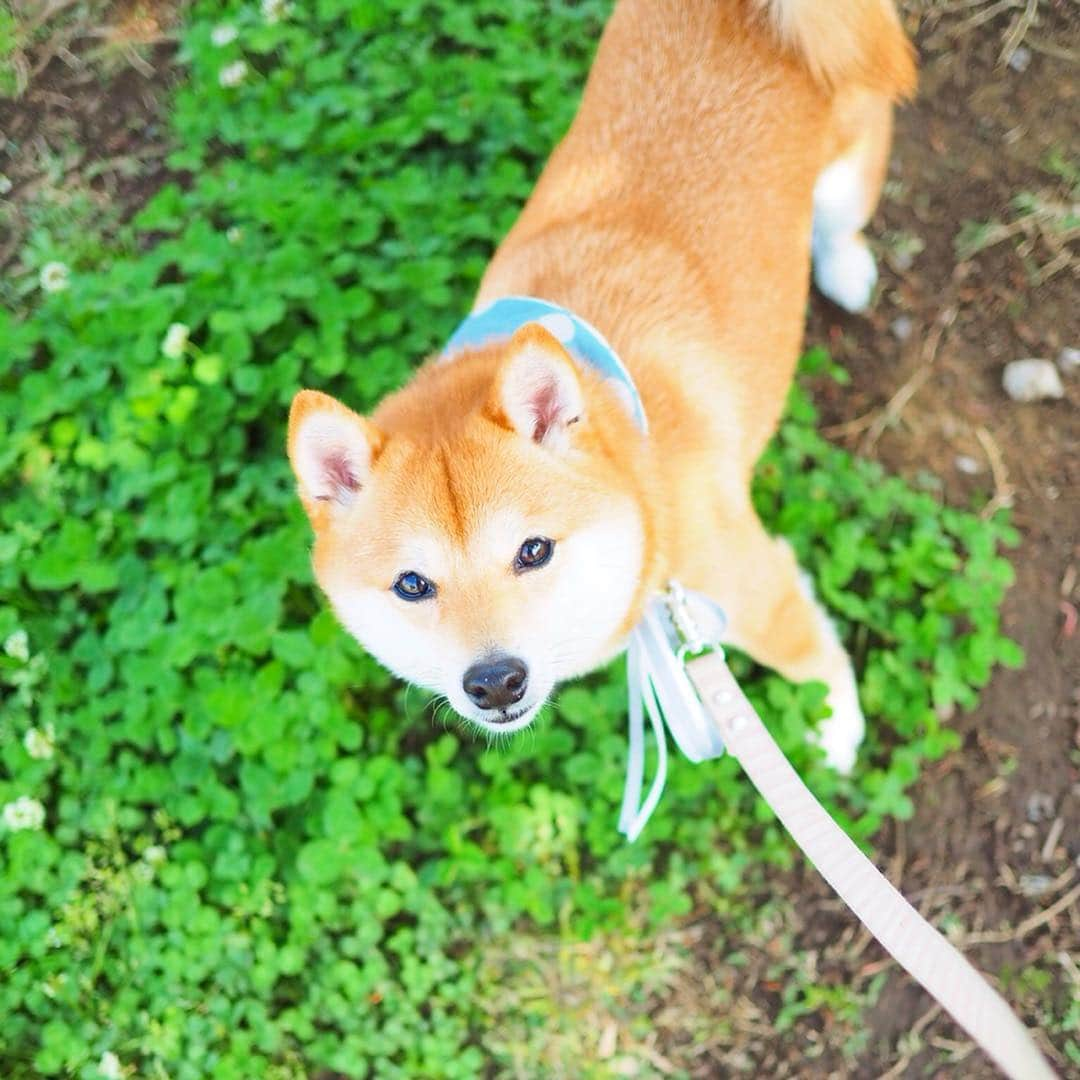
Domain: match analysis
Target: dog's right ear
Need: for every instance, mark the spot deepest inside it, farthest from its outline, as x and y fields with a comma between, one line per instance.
x=331, y=450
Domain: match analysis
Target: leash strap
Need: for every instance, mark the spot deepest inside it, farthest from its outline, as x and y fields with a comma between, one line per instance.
x=913, y=942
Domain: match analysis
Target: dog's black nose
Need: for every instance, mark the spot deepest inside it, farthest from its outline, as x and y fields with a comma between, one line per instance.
x=497, y=683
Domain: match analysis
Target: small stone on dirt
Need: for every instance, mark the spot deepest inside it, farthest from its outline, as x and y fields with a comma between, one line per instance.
x=901, y=327
x=1020, y=59
x=1032, y=380
x=1069, y=361
x=968, y=465
x=1040, y=807
x=1035, y=885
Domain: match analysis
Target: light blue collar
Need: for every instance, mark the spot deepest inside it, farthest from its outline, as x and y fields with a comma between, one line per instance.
x=585, y=343
x=658, y=685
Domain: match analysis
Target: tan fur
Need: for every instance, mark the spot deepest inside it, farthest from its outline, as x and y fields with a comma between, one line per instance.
x=675, y=216
x=851, y=42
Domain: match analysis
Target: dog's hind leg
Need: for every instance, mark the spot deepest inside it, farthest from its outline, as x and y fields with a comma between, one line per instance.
x=845, y=195
x=774, y=616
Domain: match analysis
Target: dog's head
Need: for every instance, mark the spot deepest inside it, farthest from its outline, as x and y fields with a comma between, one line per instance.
x=482, y=535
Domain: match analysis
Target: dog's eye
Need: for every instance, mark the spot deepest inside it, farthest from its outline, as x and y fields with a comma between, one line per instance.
x=411, y=586
x=533, y=553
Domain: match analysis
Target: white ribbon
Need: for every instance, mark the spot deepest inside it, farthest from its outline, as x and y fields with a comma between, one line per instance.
x=634, y=814
x=658, y=685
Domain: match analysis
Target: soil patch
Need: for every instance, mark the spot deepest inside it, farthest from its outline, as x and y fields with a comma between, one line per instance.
x=994, y=840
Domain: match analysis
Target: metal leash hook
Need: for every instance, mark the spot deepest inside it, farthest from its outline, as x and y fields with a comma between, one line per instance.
x=677, y=673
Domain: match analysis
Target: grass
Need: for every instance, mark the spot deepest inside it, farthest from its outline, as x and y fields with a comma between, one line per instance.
x=1044, y=225
x=226, y=849
x=95, y=37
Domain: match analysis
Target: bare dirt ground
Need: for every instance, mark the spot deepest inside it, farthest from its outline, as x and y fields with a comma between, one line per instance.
x=992, y=854
x=81, y=139
x=993, y=847
x=992, y=851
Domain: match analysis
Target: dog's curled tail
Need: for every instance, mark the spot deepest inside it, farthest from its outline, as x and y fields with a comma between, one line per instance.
x=847, y=42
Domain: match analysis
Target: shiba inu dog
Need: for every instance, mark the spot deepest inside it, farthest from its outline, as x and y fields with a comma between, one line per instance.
x=496, y=527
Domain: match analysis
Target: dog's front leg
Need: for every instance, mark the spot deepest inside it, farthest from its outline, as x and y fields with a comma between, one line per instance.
x=774, y=616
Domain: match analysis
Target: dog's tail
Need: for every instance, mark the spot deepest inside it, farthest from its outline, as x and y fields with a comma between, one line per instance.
x=846, y=42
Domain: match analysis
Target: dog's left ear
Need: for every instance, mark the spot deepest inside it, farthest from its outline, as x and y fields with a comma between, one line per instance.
x=538, y=390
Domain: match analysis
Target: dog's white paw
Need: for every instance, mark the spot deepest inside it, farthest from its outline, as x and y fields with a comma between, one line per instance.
x=845, y=272
x=841, y=734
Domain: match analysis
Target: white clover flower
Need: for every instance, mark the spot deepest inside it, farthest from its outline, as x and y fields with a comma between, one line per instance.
x=40, y=744
x=109, y=1066
x=24, y=813
x=275, y=10
x=53, y=938
x=154, y=855
x=233, y=74
x=234, y=234
x=54, y=277
x=17, y=645
x=175, y=341
x=5, y=184
x=224, y=34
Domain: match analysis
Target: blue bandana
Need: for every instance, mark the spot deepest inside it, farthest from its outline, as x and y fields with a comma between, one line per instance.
x=585, y=343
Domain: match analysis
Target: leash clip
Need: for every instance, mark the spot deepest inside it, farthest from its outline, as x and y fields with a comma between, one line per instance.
x=698, y=631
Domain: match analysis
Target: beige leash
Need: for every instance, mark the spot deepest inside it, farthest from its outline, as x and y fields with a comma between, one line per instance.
x=914, y=943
